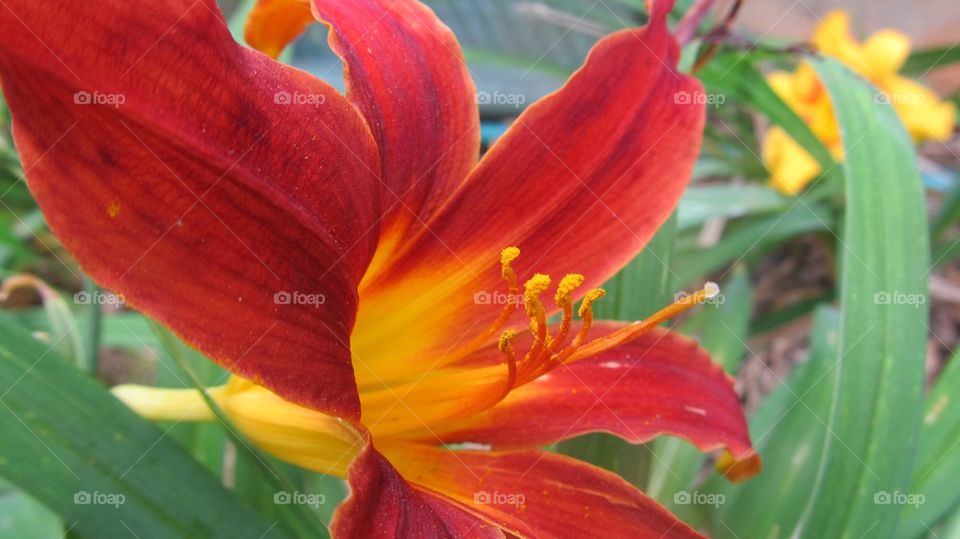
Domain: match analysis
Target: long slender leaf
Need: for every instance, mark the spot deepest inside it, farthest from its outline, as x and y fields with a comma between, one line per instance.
x=701, y=203
x=93, y=312
x=952, y=528
x=722, y=326
x=646, y=284
x=747, y=238
x=106, y=471
x=948, y=213
x=877, y=402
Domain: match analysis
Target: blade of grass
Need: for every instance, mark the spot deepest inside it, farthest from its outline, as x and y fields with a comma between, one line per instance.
x=23, y=516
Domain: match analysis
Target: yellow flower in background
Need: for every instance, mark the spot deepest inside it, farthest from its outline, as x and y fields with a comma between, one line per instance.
x=878, y=59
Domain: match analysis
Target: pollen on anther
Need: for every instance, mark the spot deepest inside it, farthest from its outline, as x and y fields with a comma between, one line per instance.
x=588, y=300
x=567, y=285
x=508, y=255
x=504, y=342
x=532, y=290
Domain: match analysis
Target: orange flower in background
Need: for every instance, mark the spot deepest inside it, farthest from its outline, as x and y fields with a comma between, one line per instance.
x=878, y=59
x=349, y=260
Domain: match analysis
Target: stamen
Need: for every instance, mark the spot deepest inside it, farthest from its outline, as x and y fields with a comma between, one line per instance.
x=546, y=353
x=567, y=285
x=635, y=330
x=586, y=311
x=506, y=348
x=533, y=288
x=507, y=256
x=586, y=320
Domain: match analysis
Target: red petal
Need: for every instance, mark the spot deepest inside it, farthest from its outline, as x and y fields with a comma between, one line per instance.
x=383, y=504
x=406, y=73
x=662, y=383
x=580, y=183
x=536, y=494
x=190, y=187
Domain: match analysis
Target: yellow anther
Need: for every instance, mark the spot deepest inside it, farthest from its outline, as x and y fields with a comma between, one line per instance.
x=545, y=352
x=508, y=255
x=585, y=306
x=532, y=290
x=567, y=285
x=504, y=344
x=586, y=320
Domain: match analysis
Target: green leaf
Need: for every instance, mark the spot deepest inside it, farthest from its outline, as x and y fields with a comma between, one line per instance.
x=877, y=404
x=788, y=432
x=701, y=203
x=924, y=60
x=103, y=469
x=125, y=330
x=55, y=320
x=205, y=441
x=22, y=516
x=747, y=238
x=938, y=456
x=947, y=214
x=952, y=528
x=93, y=313
x=794, y=311
x=646, y=284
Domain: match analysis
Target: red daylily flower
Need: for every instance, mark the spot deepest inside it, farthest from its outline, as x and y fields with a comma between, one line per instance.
x=334, y=252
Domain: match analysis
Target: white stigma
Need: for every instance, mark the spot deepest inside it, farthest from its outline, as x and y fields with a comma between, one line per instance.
x=711, y=290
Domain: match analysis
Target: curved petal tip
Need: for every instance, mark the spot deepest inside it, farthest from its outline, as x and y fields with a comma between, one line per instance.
x=739, y=469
